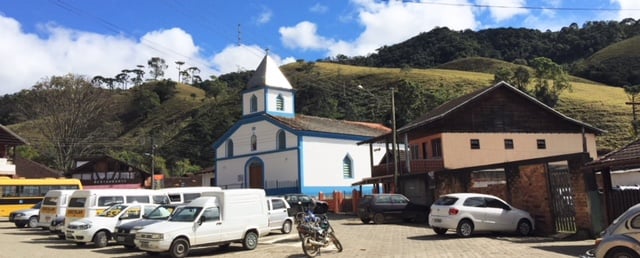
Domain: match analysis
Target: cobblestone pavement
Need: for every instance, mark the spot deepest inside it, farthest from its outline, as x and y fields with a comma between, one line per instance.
x=358, y=239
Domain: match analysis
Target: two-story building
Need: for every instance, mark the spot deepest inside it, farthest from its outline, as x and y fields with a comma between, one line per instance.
x=496, y=140
x=273, y=148
x=8, y=143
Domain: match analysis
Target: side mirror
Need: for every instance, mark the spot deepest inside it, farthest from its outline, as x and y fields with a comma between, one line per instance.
x=202, y=219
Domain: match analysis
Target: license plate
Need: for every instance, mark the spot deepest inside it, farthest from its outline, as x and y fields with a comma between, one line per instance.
x=120, y=239
x=69, y=232
x=437, y=220
x=144, y=244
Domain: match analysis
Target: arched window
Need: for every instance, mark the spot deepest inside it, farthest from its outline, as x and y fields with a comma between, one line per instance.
x=347, y=167
x=254, y=103
x=254, y=142
x=281, y=140
x=279, y=103
x=229, y=148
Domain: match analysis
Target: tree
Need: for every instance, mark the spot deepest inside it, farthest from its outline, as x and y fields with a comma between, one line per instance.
x=502, y=74
x=550, y=80
x=632, y=93
x=157, y=66
x=71, y=115
x=521, y=78
x=137, y=80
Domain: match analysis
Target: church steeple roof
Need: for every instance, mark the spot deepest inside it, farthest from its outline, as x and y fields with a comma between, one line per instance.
x=268, y=74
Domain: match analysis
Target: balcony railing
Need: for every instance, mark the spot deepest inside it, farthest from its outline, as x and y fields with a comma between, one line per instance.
x=422, y=165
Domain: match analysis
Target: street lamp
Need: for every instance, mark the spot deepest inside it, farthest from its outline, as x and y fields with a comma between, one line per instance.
x=394, y=133
x=395, y=136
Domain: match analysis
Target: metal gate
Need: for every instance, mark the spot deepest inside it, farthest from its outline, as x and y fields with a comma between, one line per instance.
x=562, y=198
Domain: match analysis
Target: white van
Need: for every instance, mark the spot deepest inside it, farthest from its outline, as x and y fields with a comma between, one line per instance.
x=91, y=202
x=178, y=195
x=54, y=205
x=217, y=218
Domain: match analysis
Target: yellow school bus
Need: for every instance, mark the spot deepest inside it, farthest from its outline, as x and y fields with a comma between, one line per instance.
x=22, y=193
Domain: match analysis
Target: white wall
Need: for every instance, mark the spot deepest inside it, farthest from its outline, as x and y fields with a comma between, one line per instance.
x=287, y=97
x=266, y=133
x=322, y=161
x=246, y=101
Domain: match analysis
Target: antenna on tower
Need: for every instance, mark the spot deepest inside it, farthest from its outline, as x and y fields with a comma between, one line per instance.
x=239, y=35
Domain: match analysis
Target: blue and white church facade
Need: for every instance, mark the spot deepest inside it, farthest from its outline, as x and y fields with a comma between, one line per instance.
x=273, y=148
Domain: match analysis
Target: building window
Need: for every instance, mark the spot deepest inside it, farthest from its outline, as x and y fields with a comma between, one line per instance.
x=254, y=103
x=347, y=167
x=424, y=151
x=279, y=103
x=415, y=152
x=229, y=148
x=436, y=147
x=254, y=142
x=542, y=144
x=281, y=140
x=475, y=144
x=508, y=144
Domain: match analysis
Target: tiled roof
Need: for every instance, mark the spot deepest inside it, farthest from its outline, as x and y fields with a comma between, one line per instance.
x=328, y=125
x=30, y=169
x=630, y=151
x=450, y=106
x=9, y=137
x=268, y=74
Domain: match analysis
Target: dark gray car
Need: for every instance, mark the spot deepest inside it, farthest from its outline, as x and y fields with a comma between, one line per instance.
x=126, y=233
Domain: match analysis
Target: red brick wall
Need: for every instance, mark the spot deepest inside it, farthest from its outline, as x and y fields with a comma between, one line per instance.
x=530, y=192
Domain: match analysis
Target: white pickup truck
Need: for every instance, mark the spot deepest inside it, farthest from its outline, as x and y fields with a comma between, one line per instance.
x=100, y=229
x=217, y=218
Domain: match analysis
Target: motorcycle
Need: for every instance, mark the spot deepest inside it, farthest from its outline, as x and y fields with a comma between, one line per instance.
x=316, y=232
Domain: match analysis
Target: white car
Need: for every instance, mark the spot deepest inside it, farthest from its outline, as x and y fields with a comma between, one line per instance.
x=621, y=238
x=279, y=218
x=26, y=217
x=467, y=213
x=100, y=229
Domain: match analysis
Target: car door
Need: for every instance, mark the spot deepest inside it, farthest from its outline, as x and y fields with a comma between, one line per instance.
x=277, y=213
x=398, y=203
x=208, y=226
x=383, y=204
x=474, y=208
x=497, y=215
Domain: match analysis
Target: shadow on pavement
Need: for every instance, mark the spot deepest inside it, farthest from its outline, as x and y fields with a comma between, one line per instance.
x=571, y=250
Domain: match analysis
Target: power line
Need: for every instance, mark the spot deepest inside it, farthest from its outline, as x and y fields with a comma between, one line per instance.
x=527, y=7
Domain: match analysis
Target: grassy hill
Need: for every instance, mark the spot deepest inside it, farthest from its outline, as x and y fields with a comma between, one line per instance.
x=186, y=125
x=617, y=63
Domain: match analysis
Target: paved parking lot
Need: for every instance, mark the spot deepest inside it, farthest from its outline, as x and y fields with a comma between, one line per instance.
x=359, y=240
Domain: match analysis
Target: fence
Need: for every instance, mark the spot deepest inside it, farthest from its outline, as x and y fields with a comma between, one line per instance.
x=621, y=199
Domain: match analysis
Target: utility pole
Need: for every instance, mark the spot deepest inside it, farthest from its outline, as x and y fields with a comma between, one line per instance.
x=395, y=141
x=633, y=111
x=153, y=164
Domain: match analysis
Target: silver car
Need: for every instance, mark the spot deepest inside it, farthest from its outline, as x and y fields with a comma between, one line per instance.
x=26, y=217
x=621, y=238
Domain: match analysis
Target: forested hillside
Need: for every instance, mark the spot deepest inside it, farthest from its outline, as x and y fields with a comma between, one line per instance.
x=567, y=47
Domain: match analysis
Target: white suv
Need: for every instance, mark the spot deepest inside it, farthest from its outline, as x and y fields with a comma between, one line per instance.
x=469, y=212
x=101, y=228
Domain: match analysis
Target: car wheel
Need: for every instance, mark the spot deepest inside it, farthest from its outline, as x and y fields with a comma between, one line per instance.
x=440, y=231
x=365, y=221
x=250, y=241
x=378, y=218
x=33, y=222
x=621, y=252
x=20, y=225
x=100, y=239
x=286, y=227
x=465, y=228
x=179, y=248
x=524, y=227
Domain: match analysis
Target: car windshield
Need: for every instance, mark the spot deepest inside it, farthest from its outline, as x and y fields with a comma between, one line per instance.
x=113, y=210
x=50, y=200
x=186, y=214
x=160, y=213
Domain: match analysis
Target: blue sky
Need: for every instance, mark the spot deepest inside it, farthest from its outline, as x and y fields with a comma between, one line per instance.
x=43, y=38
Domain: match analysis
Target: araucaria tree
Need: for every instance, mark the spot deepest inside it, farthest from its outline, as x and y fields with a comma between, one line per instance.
x=157, y=66
x=70, y=113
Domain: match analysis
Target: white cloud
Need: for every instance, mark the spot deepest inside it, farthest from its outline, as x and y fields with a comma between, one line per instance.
x=502, y=10
x=304, y=36
x=234, y=58
x=628, y=9
x=384, y=23
x=319, y=8
x=62, y=51
x=265, y=16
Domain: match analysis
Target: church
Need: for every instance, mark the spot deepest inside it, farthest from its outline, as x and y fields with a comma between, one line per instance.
x=273, y=148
